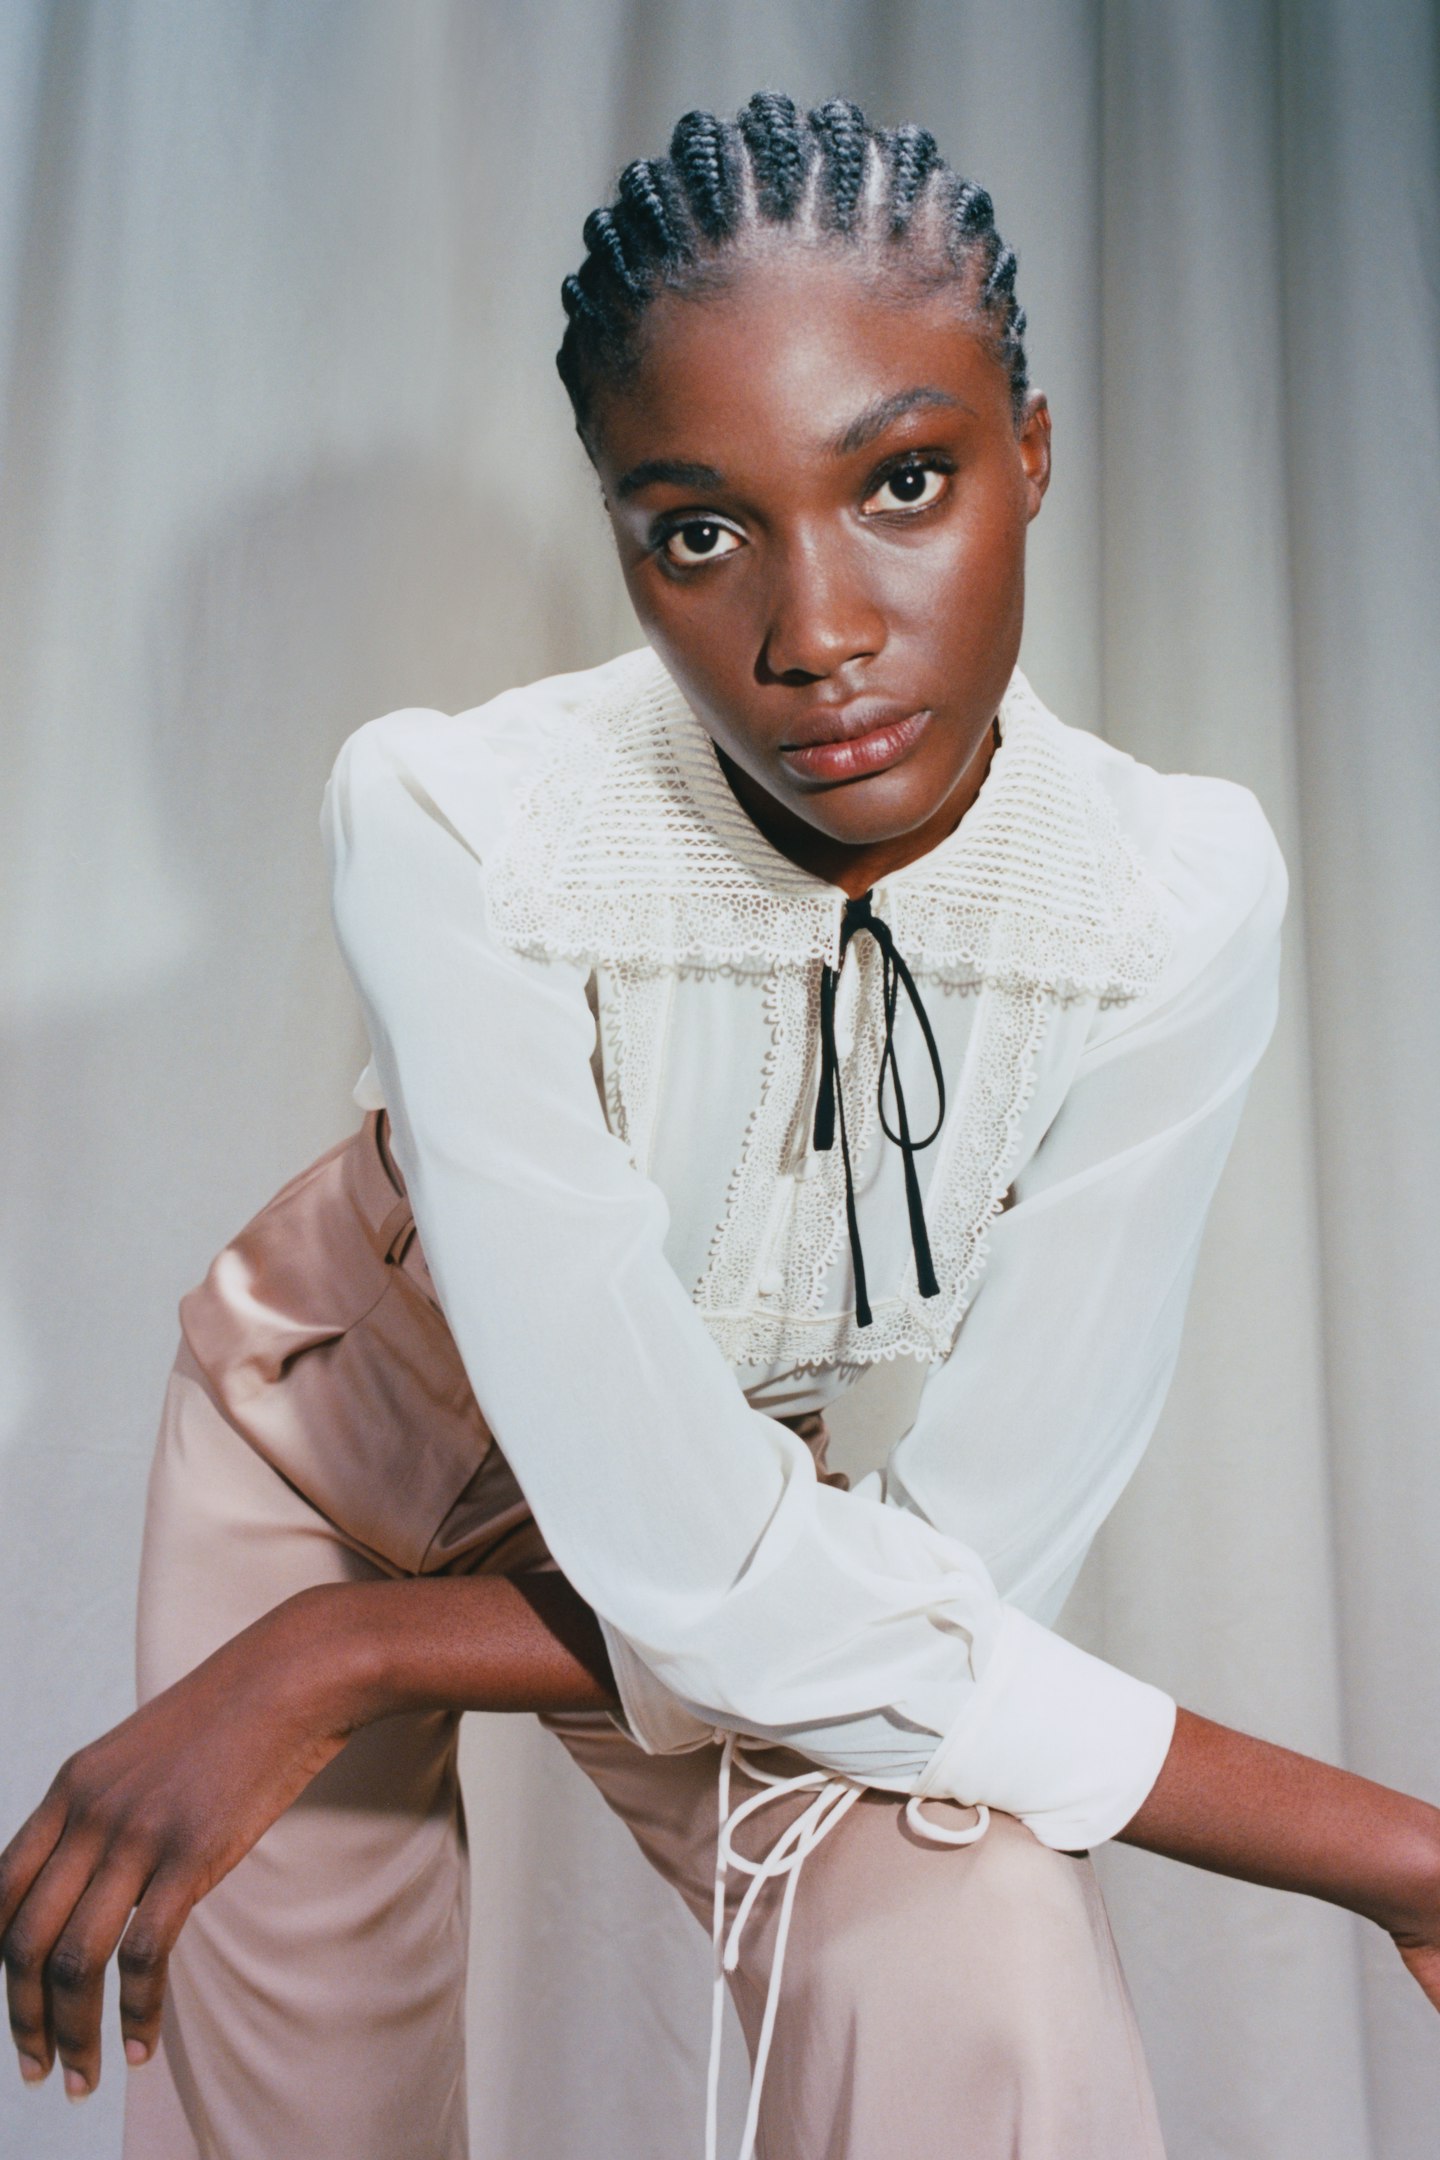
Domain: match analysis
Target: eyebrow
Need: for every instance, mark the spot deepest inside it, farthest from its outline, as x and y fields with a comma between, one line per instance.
x=885, y=411
x=858, y=434
x=676, y=471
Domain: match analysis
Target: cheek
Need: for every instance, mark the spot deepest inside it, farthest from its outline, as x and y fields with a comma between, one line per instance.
x=706, y=650
x=961, y=581
x=677, y=626
x=706, y=633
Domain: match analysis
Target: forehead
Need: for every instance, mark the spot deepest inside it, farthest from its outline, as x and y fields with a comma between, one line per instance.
x=784, y=347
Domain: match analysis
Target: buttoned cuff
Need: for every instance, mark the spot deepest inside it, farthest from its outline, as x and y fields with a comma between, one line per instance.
x=1064, y=1741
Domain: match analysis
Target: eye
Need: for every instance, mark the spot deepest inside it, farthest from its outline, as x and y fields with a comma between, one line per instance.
x=698, y=540
x=908, y=487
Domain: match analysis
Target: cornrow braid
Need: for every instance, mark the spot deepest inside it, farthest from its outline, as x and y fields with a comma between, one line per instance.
x=647, y=192
x=606, y=242
x=844, y=148
x=914, y=156
x=827, y=177
x=770, y=129
x=972, y=212
x=702, y=153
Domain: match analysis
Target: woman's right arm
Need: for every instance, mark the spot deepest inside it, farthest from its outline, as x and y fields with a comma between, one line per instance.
x=139, y=1825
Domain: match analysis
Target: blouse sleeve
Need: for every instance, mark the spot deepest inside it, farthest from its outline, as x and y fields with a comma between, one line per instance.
x=860, y=1633
x=1029, y=1431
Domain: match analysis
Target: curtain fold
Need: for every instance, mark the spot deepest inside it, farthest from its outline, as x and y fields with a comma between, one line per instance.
x=283, y=448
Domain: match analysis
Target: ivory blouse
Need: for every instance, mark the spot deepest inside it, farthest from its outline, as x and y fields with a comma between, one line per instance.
x=592, y=987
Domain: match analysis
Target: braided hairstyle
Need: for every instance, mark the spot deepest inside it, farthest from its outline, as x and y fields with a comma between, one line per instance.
x=827, y=175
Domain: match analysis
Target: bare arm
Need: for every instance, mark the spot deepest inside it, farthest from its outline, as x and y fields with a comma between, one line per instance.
x=485, y=1642
x=1243, y=1807
x=138, y=1826
x=1223, y=1801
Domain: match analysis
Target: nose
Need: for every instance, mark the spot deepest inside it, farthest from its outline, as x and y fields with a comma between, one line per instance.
x=820, y=613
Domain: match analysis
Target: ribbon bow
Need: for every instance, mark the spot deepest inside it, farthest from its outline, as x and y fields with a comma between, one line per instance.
x=830, y=1103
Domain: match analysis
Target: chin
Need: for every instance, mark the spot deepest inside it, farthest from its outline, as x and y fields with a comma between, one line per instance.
x=864, y=813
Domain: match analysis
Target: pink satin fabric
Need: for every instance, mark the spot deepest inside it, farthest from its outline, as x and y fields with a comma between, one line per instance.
x=962, y=2004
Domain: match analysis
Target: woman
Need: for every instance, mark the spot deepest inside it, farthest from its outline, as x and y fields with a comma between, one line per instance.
x=793, y=994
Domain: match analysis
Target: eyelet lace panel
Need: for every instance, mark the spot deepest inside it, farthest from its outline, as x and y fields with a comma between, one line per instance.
x=631, y=852
x=768, y=1209
x=633, y=1018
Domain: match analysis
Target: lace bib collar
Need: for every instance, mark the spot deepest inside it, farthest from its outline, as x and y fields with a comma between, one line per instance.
x=629, y=847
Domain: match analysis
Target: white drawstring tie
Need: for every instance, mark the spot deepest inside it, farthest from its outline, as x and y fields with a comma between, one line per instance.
x=834, y=1798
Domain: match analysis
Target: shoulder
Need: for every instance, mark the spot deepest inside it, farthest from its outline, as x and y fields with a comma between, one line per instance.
x=464, y=770
x=1206, y=847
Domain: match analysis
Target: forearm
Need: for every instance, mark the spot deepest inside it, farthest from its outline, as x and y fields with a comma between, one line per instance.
x=1244, y=1807
x=1223, y=1801
x=482, y=1642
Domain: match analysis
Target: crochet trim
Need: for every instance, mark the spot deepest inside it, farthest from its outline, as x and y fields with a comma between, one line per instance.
x=630, y=846
x=630, y=853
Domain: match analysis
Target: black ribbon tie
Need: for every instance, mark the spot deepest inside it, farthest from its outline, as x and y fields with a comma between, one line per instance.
x=830, y=1103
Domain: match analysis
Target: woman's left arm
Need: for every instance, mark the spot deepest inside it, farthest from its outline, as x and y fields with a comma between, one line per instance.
x=1030, y=1429
x=1028, y=1433
x=1239, y=1806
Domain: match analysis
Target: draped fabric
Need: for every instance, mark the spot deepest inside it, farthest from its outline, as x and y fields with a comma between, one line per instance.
x=282, y=449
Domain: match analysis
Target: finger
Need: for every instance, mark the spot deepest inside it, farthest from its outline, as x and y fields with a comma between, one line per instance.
x=30, y=1938
x=75, y=1968
x=144, y=1961
x=20, y=1863
x=27, y=1853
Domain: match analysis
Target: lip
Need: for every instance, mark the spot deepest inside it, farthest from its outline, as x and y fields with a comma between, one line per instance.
x=854, y=740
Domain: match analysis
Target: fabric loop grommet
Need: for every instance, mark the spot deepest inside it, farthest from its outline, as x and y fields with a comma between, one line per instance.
x=830, y=1102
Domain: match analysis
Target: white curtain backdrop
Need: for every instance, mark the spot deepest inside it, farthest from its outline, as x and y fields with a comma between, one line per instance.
x=283, y=449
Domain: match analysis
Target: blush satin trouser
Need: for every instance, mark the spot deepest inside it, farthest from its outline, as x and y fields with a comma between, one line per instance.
x=937, y=2003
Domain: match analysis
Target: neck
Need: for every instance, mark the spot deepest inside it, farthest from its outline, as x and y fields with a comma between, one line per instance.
x=856, y=866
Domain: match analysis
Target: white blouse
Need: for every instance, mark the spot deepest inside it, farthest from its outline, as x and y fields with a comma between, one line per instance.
x=591, y=987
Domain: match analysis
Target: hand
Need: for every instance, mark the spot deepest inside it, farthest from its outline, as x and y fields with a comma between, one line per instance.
x=139, y=1825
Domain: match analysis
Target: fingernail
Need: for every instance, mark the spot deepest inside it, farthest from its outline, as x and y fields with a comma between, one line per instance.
x=136, y=2052
x=31, y=2069
x=77, y=2085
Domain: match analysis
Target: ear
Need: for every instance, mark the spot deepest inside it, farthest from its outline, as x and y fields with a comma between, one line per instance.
x=1034, y=445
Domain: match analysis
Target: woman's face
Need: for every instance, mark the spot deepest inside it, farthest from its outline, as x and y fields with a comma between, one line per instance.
x=820, y=500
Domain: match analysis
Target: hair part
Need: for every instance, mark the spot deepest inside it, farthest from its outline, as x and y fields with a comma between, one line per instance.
x=826, y=176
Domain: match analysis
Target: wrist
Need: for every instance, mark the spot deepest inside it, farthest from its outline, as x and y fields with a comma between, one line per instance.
x=1241, y=1806
x=1407, y=1904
